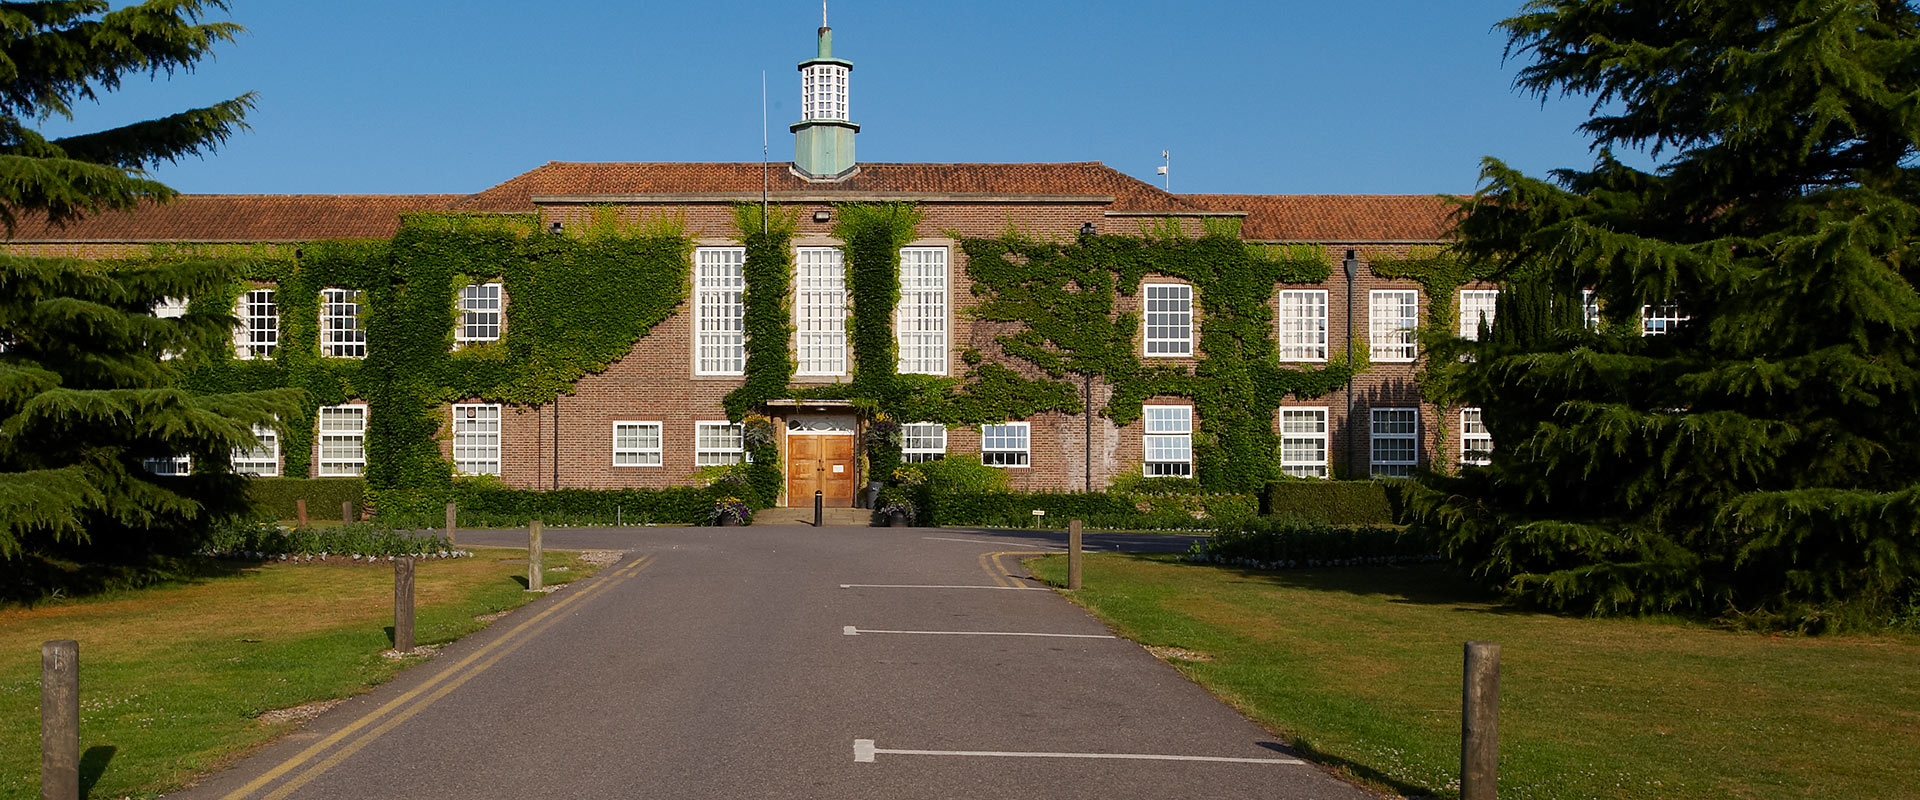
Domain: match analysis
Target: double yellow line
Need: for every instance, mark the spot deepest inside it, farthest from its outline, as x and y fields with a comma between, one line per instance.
x=449, y=679
x=998, y=571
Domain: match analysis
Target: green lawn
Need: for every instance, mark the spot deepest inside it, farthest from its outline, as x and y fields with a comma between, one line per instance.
x=1361, y=668
x=173, y=677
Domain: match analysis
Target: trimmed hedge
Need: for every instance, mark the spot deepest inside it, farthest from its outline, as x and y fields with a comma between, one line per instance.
x=1336, y=502
x=488, y=506
x=273, y=498
x=1111, y=510
x=1291, y=543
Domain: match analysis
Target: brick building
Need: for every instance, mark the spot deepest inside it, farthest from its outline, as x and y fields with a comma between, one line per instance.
x=652, y=418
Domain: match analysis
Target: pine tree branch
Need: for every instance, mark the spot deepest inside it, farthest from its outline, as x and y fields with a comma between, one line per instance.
x=145, y=144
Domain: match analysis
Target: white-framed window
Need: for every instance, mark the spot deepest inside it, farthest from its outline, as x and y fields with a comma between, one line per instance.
x=1393, y=314
x=717, y=444
x=1476, y=444
x=720, y=286
x=1590, y=308
x=1476, y=306
x=921, y=327
x=821, y=305
x=1303, y=325
x=343, y=440
x=1169, y=319
x=479, y=313
x=341, y=335
x=823, y=92
x=1005, y=445
x=172, y=466
x=1303, y=442
x=1660, y=319
x=262, y=460
x=1396, y=441
x=921, y=442
x=1169, y=442
x=476, y=438
x=170, y=308
x=638, y=444
x=258, y=333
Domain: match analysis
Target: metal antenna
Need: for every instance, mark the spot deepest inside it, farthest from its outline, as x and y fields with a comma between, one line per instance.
x=1166, y=178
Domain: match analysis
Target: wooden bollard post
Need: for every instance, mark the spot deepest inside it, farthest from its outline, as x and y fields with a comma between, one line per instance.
x=403, y=604
x=1074, y=559
x=450, y=517
x=1480, y=723
x=300, y=511
x=60, y=720
x=346, y=512
x=534, y=557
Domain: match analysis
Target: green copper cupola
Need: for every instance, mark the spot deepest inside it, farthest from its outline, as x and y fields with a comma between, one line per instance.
x=823, y=138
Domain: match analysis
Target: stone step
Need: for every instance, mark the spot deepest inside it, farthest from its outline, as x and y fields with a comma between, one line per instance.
x=804, y=516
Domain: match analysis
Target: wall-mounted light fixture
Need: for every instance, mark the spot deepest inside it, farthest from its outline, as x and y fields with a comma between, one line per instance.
x=1087, y=229
x=556, y=227
x=823, y=215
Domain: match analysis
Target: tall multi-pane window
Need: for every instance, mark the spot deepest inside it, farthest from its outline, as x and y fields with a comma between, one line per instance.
x=717, y=444
x=922, y=324
x=720, y=286
x=1303, y=442
x=1303, y=325
x=170, y=308
x=1660, y=319
x=637, y=444
x=921, y=442
x=340, y=333
x=1396, y=441
x=823, y=92
x=1476, y=444
x=1476, y=308
x=479, y=313
x=1392, y=315
x=1169, y=441
x=258, y=333
x=822, y=308
x=1169, y=320
x=476, y=438
x=1004, y=445
x=263, y=458
x=343, y=440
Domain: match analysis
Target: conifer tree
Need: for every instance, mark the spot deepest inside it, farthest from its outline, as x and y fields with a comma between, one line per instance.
x=1761, y=456
x=87, y=401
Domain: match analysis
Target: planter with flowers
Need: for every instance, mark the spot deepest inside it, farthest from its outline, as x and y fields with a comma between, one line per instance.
x=729, y=512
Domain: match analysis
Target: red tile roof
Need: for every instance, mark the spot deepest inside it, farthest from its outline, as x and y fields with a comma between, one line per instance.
x=241, y=218
x=1336, y=217
x=561, y=178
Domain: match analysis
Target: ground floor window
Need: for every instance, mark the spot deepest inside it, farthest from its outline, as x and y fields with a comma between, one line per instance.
x=173, y=466
x=921, y=442
x=262, y=460
x=476, y=439
x=1476, y=445
x=717, y=444
x=1005, y=445
x=1396, y=447
x=637, y=444
x=1303, y=442
x=343, y=441
x=1169, y=441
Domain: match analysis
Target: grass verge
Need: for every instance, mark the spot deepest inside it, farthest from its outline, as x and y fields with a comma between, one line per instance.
x=1361, y=669
x=174, y=678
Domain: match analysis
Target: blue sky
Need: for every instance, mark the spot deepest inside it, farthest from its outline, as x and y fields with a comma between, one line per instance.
x=1363, y=96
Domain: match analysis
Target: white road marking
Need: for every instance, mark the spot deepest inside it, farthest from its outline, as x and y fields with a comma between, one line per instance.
x=939, y=586
x=984, y=541
x=864, y=752
x=850, y=630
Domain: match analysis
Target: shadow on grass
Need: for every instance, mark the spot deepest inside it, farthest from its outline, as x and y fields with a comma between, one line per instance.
x=1357, y=770
x=34, y=578
x=1416, y=584
x=93, y=764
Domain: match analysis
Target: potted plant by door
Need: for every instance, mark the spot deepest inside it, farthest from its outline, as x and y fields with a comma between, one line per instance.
x=730, y=512
x=897, y=514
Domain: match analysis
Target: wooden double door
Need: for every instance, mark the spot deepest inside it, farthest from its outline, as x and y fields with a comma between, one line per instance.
x=821, y=463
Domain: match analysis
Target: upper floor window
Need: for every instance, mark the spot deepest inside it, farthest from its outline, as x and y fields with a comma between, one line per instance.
x=1303, y=442
x=479, y=313
x=1660, y=319
x=170, y=308
x=922, y=324
x=717, y=444
x=476, y=438
x=1476, y=444
x=1169, y=441
x=720, y=285
x=343, y=440
x=1396, y=448
x=341, y=335
x=821, y=294
x=1476, y=310
x=1169, y=315
x=258, y=333
x=1005, y=445
x=1393, y=315
x=823, y=92
x=923, y=441
x=1303, y=325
